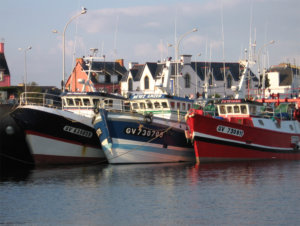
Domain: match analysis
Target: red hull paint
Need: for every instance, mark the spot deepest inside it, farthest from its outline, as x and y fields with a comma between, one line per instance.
x=255, y=143
x=215, y=152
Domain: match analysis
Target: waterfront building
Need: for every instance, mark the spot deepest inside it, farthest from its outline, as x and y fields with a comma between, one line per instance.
x=283, y=79
x=105, y=75
x=187, y=78
x=4, y=70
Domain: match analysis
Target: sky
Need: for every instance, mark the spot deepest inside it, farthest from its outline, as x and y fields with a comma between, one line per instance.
x=142, y=31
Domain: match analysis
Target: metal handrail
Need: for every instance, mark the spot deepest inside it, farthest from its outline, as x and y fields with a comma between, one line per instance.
x=41, y=99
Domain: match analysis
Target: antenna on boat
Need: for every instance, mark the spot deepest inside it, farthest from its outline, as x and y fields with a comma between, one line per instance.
x=223, y=43
x=87, y=82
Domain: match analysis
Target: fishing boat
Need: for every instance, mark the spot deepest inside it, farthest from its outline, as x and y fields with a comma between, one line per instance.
x=48, y=129
x=246, y=130
x=151, y=131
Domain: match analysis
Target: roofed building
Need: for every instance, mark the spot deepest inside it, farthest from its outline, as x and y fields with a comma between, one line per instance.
x=4, y=71
x=91, y=74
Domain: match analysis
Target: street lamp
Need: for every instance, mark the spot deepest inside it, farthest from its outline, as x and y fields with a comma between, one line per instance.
x=258, y=56
x=179, y=40
x=177, y=54
x=83, y=11
x=25, y=67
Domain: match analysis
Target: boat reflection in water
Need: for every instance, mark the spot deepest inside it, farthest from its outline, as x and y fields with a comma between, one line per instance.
x=236, y=193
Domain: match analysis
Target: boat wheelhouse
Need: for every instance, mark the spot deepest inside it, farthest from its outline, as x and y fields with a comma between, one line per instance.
x=161, y=105
x=238, y=108
x=84, y=103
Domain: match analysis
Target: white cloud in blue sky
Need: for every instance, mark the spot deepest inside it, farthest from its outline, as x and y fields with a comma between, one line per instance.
x=140, y=31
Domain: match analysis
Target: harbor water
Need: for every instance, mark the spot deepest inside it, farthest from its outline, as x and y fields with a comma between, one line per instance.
x=235, y=193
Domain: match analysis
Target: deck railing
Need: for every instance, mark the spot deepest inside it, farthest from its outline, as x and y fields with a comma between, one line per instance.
x=41, y=99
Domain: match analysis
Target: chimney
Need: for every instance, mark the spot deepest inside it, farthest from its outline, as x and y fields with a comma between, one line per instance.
x=120, y=61
x=1, y=47
x=131, y=64
x=79, y=60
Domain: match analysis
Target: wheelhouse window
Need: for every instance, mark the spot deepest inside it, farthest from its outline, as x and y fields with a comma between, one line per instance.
x=222, y=109
x=142, y=105
x=108, y=103
x=244, y=109
x=252, y=110
x=135, y=106
x=70, y=102
x=96, y=102
x=156, y=104
x=78, y=102
x=229, y=109
x=236, y=109
x=164, y=104
x=149, y=105
x=86, y=102
x=172, y=104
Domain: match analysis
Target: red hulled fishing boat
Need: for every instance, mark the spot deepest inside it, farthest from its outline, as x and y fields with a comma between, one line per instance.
x=246, y=130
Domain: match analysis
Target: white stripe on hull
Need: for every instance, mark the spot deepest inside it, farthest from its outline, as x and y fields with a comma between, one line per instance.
x=128, y=151
x=45, y=146
x=203, y=135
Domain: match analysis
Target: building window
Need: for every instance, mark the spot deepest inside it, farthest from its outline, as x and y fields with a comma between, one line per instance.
x=187, y=80
x=107, y=78
x=130, y=85
x=114, y=79
x=1, y=76
x=229, y=81
x=146, y=85
x=210, y=80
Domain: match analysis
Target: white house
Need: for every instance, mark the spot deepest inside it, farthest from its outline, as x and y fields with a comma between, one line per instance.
x=283, y=78
x=184, y=78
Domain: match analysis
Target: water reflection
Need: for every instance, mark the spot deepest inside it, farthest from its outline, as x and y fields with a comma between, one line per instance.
x=151, y=174
x=237, y=193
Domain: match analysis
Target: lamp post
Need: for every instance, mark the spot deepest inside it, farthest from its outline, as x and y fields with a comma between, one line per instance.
x=83, y=11
x=25, y=67
x=177, y=54
x=258, y=56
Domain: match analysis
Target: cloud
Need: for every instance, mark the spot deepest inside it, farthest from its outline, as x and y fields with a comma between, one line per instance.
x=142, y=18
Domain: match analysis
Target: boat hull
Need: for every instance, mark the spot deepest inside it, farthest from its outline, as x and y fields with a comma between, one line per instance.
x=58, y=137
x=220, y=140
x=14, y=151
x=133, y=140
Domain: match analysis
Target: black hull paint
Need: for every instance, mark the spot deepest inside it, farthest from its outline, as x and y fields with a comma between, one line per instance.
x=14, y=148
x=49, y=124
x=14, y=151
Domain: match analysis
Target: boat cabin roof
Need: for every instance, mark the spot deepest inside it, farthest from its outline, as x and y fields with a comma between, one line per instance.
x=92, y=94
x=159, y=96
x=157, y=102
